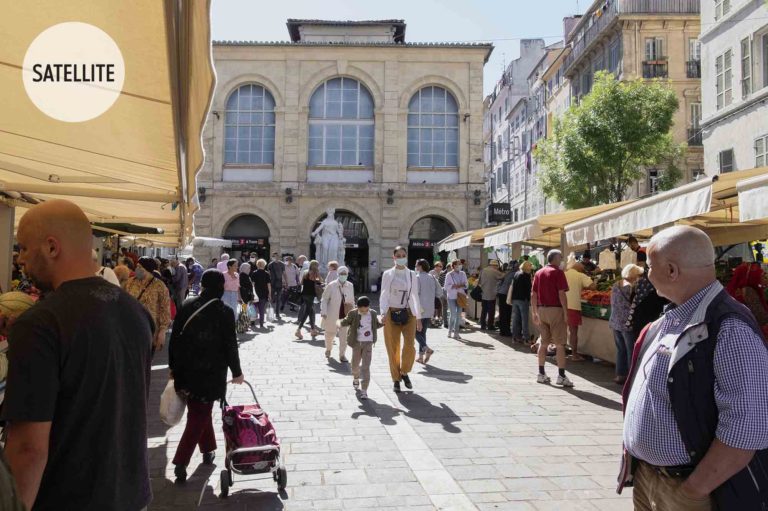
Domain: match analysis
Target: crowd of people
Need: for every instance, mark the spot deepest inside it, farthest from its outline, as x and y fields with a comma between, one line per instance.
x=695, y=394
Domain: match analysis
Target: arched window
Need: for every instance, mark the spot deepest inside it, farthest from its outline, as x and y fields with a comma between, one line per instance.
x=341, y=124
x=249, y=127
x=433, y=129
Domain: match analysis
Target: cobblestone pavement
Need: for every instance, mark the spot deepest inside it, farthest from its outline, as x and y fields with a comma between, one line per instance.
x=477, y=432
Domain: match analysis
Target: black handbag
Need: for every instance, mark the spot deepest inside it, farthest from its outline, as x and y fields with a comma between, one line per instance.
x=400, y=316
x=477, y=294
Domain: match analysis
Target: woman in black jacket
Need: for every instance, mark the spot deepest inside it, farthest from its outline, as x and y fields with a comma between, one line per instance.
x=203, y=346
x=246, y=286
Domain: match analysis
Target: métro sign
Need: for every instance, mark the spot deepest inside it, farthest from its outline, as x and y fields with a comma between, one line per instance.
x=499, y=212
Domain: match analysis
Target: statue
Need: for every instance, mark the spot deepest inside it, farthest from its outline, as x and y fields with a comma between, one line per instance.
x=329, y=241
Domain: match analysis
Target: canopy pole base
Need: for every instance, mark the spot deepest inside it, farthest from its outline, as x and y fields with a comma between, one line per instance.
x=6, y=250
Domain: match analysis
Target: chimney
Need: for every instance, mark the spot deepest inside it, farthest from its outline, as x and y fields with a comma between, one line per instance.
x=569, y=23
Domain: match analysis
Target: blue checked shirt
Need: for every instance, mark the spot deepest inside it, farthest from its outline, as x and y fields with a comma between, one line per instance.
x=741, y=391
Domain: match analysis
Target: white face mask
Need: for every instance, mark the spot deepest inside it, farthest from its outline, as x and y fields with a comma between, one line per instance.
x=401, y=261
x=141, y=273
x=342, y=278
x=460, y=267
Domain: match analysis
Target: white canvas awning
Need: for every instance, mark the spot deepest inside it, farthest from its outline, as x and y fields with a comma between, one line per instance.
x=136, y=163
x=455, y=241
x=753, y=198
x=513, y=233
x=201, y=241
x=666, y=207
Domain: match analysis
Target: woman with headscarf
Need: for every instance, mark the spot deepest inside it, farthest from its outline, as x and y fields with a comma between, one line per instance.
x=747, y=286
x=203, y=346
x=337, y=300
x=263, y=286
x=246, y=286
x=310, y=279
x=231, y=296
x=151, y=292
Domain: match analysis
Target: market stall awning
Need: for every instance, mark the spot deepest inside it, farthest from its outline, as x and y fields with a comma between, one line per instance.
x=463, y=239
x=137, y=162
x=711, y=205
x=753, y=198
x=666, y=207
x=513, y=233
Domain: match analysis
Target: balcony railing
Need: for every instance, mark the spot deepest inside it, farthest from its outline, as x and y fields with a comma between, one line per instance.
x=655, y=69
x=610, y=11
x=693, y=69
x=694, y=137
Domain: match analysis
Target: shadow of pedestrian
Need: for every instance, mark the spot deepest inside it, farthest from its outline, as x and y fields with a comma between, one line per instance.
x=245, y=498
x=339, y=367
x=421, y=409
x=385, y=413
x=595, y=399
x=476, y=344
x=445, y=374
x=168, y=495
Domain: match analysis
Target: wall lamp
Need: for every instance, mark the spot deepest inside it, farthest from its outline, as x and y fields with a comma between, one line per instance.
x=390, y=196
x=201, y=194
x=288, y=195
x=477, y=193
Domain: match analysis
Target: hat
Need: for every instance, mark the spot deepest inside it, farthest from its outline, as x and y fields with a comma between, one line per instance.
x=494, y=262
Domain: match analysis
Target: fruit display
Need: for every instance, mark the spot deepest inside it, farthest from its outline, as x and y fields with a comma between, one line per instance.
x=600, y=298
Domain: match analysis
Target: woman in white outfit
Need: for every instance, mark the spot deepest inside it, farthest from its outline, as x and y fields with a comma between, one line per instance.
x=400, y=310
x=338, y=298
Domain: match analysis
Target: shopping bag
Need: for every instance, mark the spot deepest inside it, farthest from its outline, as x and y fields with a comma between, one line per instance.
x=253, y=311
x=270, y=313
x=172, y=405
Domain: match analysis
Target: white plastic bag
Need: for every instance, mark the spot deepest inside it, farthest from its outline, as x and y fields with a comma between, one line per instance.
x=270, y=313
x=172, y=406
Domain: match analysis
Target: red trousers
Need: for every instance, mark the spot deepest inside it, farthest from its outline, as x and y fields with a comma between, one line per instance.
x=199, y=431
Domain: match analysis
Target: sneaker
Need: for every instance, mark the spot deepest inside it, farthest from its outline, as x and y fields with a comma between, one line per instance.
x=208, y=457
x=407, y=381
x=343, y=360
x=397, y=387
x=543, y=378
x=356, y=383
x=564, y=381
x=180, y=471
x=363, y=395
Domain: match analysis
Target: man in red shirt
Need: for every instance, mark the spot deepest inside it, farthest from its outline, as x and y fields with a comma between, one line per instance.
x=550, y=309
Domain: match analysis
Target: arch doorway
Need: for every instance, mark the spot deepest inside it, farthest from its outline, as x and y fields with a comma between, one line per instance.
x=423, y=238
x=249, y=233
x=356, y=246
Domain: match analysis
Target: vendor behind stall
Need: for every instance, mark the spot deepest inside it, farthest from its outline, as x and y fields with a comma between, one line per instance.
x=577, y=282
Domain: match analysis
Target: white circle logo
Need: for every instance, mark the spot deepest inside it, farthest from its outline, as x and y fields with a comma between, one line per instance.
x=73, y=72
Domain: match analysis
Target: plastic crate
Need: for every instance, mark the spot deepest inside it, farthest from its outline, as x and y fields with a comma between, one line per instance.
x=595, y=311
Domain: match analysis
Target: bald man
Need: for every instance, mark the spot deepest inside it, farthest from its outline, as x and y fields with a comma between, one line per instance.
x=78, y=378
x=696, y=401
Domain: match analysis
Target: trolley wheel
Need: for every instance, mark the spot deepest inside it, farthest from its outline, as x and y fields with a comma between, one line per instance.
x=225, y=483
x=282, y=477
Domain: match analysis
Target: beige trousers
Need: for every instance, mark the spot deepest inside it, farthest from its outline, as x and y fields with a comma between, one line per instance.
x=330, y=333
x=655, y=492
x=361, y=363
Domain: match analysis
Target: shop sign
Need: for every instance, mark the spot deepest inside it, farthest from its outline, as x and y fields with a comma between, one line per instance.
x=499, y=212
x=247, y=241
x=422, y=244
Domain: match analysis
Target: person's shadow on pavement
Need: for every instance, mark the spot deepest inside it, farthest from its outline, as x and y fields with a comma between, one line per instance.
x=385, y=413
x=445, y=374
x=421, y=409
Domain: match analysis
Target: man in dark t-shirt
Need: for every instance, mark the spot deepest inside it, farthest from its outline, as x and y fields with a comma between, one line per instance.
x=276, y=269
x=78, y=379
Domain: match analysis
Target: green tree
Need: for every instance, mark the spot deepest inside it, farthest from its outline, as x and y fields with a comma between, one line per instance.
x=603, y=144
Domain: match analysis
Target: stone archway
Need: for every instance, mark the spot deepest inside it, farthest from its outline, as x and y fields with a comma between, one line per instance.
x=424, y=235
x=249, y=233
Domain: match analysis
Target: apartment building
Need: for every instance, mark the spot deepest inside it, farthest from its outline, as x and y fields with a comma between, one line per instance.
x=648, y=39
x=734, y=51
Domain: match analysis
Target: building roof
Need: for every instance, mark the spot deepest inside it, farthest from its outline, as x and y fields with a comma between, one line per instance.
x=294, y=24
x=487, y=46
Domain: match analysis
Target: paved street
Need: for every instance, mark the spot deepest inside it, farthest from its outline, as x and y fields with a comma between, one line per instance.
x=477, y=432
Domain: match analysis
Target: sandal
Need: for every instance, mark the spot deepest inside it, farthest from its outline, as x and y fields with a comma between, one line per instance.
x=298, y=334
x=420, y=359
x=429, y=354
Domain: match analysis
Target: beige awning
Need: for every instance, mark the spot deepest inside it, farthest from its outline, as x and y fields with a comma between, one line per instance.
x=513, y=233
x=753, y=198
x=137, y=162
x=463, y=239
x=664, y=208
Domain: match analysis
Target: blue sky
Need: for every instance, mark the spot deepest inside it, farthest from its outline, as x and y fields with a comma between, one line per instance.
x=502, y=22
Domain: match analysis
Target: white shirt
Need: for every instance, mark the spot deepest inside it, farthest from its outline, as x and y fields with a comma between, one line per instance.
x=394, y=291
x=365, y=331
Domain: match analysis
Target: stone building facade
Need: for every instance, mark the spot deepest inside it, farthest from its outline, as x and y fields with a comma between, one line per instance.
x=348, y=116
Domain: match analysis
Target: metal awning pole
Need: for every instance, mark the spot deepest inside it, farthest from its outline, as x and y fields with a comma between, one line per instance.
x=7, y=215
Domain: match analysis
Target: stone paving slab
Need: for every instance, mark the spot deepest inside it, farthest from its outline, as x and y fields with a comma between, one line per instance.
x=476, y=433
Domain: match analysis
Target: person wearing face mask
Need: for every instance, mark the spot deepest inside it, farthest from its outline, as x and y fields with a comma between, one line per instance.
x=203, y=346
x=455, y=284
x=429, y=292
x=400, y=309
x=337, y=300
x=152, y=293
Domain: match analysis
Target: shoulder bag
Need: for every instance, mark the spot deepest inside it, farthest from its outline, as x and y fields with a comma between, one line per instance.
x=347, y=306
x=400, y=316
x=461, y=297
